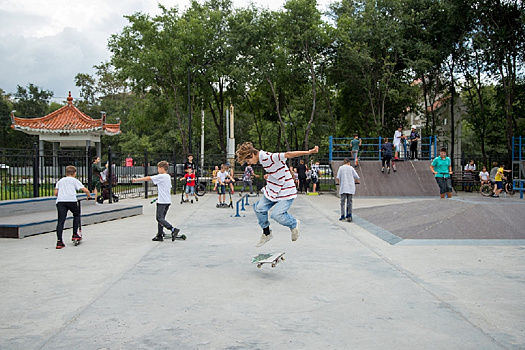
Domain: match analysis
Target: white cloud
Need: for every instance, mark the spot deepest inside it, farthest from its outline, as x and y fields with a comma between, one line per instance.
x=48, y=42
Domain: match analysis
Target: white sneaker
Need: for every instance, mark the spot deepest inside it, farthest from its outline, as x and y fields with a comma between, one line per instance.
x=264, y=239
x=295, y=232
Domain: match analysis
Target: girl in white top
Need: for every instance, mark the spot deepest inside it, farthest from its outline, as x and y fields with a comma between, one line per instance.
x=484, y=176
x=279, y=191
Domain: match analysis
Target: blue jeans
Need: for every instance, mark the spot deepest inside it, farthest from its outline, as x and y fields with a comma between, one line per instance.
x=279, y=213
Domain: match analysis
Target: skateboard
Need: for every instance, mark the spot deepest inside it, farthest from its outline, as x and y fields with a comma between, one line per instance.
x=272, y=258
x=179, y=238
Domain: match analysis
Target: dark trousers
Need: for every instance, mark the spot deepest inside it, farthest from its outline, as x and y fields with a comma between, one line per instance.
x=247, y=183
x=162, y=210
x=303, y=184
x=413, y=150
x=346, y=209
x=386, y=160
x=62, y=209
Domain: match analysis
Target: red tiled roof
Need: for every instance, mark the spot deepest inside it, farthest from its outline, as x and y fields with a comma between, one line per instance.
x=68, y=119
x=438, y=104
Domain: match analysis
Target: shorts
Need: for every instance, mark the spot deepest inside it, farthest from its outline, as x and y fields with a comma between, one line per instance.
x=97, y=185
x=315, y=180
x=445, y=184
x=221, y=189
x=397, y=148
x=190, y=189
x=499, y=185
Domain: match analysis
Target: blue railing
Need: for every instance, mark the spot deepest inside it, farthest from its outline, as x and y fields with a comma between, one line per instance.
x=370, y=149
x=518, y=148
x=243, y=201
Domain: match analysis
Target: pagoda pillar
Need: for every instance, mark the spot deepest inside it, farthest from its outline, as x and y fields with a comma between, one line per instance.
x=99, y=150
x=55, y=157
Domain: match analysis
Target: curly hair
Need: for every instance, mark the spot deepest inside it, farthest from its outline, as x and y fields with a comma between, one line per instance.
x=244, y=152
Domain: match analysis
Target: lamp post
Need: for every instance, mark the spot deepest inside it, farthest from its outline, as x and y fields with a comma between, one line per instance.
x=189, y=112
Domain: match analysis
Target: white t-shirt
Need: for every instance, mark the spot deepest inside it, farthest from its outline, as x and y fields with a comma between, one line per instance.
x=397, y=138
x=221, y=176
x=279, y=184
x=163, y=182
x=67, y=189
x=347, y=175
x=484, y=175
x=470, y=167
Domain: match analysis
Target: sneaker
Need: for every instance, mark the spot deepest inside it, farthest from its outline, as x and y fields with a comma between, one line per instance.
x=295, y=231
x=196, y=199
x=495, y=196
x=264, y=239
x=60, y=245
x=349, y=218
x=382, y=170
x=191, y=201
x=158, y=238
x=76, y=237
x=389, y=170
x=342, y=218
x=174, y=233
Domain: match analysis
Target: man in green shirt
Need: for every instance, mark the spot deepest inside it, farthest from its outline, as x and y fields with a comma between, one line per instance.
x=442, y=168
x=355, y=143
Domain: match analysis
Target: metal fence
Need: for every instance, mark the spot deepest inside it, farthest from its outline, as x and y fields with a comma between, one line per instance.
x=26, y=173
x=34, y=173
x=370, y=149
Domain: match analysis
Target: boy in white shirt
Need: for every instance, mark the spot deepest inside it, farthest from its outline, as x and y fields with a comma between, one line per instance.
x=347, y=177
x=279, y=191
x=398, y=136
x=222, y=175
x=163, y=182
x=66, y=193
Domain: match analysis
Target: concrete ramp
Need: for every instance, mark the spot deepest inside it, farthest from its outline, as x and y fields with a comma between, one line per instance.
x=412, y=179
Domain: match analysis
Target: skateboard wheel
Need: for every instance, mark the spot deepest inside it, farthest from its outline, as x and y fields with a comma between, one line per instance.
x=183, y=237
x=273, y=265
x=282, y=258
x=259, y=265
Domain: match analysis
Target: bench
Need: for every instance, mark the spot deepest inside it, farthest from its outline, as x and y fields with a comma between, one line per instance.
x=466, y=179
x=20, y=218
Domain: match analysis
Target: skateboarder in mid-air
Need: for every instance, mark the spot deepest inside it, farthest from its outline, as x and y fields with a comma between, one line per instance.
x=279, y=191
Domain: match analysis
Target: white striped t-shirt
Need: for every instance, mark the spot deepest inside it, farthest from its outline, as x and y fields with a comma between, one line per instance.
x=279, y=185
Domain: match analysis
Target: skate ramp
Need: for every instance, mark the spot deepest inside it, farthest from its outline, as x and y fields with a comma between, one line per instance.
x=450, y=219
x=412, y=179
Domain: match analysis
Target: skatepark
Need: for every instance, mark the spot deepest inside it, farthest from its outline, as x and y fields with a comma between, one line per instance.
x=343, y=285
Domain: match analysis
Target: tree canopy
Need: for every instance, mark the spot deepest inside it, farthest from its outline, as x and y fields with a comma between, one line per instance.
x=297, y=75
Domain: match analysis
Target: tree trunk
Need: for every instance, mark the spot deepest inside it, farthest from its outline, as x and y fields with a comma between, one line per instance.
x=278, y=109
x=314, y=100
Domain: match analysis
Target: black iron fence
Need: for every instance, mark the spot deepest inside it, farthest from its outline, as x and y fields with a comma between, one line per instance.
x=30, y=173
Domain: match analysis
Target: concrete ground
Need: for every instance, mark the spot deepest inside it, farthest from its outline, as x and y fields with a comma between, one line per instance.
x=340, y=287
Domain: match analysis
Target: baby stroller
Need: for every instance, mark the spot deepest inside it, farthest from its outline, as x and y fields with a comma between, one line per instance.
x=104, y=185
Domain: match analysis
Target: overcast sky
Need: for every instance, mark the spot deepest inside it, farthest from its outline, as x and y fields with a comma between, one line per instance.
x=47, y=42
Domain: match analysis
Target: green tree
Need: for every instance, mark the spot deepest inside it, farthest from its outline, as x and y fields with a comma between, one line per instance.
x=31, y=101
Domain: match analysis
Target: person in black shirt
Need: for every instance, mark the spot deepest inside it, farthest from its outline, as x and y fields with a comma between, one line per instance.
x=301, y=175
x=414, y=137
x=190, y=164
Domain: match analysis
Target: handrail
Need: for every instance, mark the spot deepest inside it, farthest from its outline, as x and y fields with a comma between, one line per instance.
x=241, y=200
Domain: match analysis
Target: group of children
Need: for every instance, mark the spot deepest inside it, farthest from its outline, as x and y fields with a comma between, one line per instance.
x=279, y=192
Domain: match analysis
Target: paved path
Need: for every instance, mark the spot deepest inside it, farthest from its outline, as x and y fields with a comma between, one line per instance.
x=340, y=287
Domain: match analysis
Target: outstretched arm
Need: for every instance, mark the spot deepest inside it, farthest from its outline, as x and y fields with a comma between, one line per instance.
x=147, y=178
x=294, y=154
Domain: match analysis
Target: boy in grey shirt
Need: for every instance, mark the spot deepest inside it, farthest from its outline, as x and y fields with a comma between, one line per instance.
x=347, y=177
